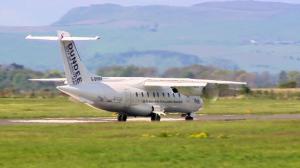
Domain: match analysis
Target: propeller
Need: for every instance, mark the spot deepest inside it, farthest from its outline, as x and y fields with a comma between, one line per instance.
x=211, y=92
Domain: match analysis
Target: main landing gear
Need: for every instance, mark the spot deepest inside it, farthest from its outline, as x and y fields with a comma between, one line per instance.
x=122, y=117
x=155, y=117
x=188, y=117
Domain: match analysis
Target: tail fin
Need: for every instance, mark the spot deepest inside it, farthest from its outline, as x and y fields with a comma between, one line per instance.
x=76, y=72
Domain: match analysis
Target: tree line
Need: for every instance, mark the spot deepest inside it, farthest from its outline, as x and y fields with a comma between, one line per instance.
x=263, y=79
x=14, y=77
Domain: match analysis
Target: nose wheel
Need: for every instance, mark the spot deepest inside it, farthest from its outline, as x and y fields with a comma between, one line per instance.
x=188, y=117
x=122, y=117
x=155, y=117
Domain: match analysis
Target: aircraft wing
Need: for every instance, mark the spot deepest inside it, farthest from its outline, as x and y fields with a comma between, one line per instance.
x=49, y=80
x=186, y=82
x=190, y=87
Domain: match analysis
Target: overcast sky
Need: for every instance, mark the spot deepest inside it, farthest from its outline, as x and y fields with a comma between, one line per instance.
x=45, y=12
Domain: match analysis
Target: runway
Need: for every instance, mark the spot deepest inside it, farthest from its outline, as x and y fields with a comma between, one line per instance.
x=143, y=119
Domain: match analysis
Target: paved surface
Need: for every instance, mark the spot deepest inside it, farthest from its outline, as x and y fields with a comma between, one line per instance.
x=165, y=119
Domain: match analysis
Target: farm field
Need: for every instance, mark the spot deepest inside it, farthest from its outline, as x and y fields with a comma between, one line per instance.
x=62, y=107
x=231, y=144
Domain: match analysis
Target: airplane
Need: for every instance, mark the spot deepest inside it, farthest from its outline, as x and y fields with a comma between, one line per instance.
x=127, y=96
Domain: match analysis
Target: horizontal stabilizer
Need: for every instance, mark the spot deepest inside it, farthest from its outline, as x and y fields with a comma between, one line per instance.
x=49, y=80
x=55, y=38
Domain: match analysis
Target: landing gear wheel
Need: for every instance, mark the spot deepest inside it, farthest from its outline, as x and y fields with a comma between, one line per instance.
x=188, y=117
x=122, y=117
x=155, y=117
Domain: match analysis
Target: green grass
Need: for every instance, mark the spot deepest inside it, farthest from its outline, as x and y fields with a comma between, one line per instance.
x=252, y=105
x=63, y=107
x=235, y=144
x=46, y=107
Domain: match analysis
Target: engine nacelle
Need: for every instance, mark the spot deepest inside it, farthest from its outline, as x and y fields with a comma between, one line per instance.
x=190, y=91
x=211, y=91
x=140, y=110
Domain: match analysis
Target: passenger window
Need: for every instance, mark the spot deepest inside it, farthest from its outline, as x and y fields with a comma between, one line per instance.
x=157, y=94
x=179, y=94
x=153, y=94
x=168, y=94
x=173, y=95
x=163, y=94
x=142, y=94
x=147, y=94
x=136, y=94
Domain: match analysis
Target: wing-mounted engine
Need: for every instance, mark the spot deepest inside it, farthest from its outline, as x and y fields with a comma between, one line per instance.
x=189, y=91
x=210, y=91
x=213, y=91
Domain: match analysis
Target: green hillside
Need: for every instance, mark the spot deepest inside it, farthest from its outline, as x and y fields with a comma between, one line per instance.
x=251, y=35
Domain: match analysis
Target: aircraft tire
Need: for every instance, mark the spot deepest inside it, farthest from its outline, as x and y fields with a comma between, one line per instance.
x=188, y=117
x=122, y=117
x=155, y=117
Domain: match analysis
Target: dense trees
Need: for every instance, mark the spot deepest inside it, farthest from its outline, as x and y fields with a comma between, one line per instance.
x=129, y=71
x=14, y=78
x=263, y=79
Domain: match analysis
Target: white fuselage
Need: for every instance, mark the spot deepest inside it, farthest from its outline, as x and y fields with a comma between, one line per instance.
x=128, y=95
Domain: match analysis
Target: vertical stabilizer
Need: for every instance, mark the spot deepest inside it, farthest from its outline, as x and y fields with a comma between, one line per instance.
x=75, y=71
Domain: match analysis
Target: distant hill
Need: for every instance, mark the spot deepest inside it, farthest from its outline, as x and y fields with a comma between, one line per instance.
x=165, y=15
x=251, y=35
x=155, y=58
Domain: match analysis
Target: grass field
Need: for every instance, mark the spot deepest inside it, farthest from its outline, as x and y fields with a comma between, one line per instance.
x=63, y=107
x=46, y=107
x=248, y=144
x=252, y=105
x=224, y=144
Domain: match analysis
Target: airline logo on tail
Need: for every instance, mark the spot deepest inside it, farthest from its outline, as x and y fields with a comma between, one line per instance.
x=76, y=72
x=73, y=63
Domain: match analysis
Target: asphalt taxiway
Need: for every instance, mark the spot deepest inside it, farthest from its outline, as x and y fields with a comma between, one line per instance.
x=142, y=119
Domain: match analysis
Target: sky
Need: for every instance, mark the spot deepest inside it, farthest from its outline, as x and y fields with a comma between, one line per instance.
x=45, y=12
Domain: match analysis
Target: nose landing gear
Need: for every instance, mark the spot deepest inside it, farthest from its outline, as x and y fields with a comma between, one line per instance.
x=155, y=117
x=188, y=117
x=122, y=117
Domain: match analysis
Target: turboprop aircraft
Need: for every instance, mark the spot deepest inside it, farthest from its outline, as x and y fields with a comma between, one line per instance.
x=128, y=96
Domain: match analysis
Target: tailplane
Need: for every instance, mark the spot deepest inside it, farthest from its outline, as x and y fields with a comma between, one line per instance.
x=76, y=72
